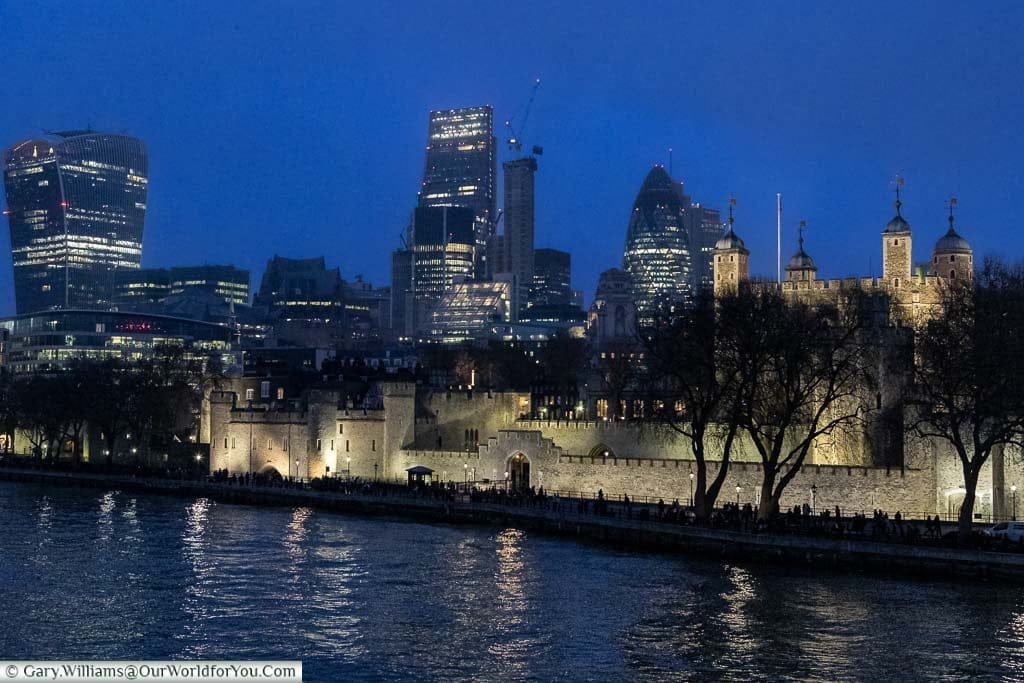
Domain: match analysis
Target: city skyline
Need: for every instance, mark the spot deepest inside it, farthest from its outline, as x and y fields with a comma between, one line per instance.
x=738, y=126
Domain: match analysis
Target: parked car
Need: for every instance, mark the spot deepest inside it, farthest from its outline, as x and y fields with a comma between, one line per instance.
x=1011, y=531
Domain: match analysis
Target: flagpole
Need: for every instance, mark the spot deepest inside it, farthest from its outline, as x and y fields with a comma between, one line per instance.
x=778, y=236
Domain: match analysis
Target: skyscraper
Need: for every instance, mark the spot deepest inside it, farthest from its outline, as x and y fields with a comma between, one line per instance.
x=76, y=203
x=658, y=250
x=552, y=278
x=461, y=168
x=517, y=240
x=704, y=226
x=441, y=254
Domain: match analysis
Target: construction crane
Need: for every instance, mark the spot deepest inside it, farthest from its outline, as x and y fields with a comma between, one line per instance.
x=515, y=140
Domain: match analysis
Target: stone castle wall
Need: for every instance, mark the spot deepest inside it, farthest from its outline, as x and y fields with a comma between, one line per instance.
x=851, y=488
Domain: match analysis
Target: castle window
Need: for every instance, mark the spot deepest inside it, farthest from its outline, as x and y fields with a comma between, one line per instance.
x=332, y=444
x=232, y=442
x=896, y=242
x=373, y=444
x=936, y=259
x=346, y=445
x=952, y=258
x=280, y=393
x=250, y=394
x=264, y=389
x=270, y=444
x=719, y=259
x=732, y=276
x=225, y=443
x=731, y=258
x=896, y=282
x=952, y=275
x=341, y=428
x=319, y=444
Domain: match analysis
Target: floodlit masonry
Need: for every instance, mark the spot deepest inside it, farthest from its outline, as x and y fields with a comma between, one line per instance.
x=483, y=437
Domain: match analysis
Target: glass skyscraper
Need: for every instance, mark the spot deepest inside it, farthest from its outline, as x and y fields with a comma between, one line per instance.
x=658, y=250
x=461, y=168
x=76, y=203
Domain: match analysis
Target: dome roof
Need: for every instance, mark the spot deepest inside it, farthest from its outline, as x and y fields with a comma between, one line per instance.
x=897, y=224
x=952, y=243
x=730, y=240
x=801, y=261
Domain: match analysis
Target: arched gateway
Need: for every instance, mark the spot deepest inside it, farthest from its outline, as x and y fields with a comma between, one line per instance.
x=518, y=468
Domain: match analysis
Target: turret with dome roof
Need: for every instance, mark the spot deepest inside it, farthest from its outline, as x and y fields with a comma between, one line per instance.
x=801, y=266
x=953, y=256
x=731, y=258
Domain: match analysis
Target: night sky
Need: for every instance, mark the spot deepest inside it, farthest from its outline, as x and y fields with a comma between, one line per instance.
x=298, y=128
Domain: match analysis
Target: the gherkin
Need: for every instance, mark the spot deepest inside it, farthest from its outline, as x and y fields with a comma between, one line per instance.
x=658, y=252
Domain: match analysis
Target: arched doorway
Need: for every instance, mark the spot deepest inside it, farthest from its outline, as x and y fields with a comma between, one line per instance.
x=270, y=472
x=518, y=468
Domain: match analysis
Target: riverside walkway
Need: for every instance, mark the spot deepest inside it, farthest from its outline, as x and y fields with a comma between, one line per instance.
x=563, y=518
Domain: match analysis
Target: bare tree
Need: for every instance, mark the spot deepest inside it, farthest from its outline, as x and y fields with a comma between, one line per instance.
x=969, y=370
x=693, y=382
x=801, y=371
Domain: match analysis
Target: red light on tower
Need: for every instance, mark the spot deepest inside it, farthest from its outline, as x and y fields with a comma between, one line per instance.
x=64, y=204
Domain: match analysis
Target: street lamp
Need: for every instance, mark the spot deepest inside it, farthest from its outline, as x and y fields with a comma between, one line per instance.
x=465, y=472
x=1013, y=490
x=814, y=498
x=738, y=489
x=348, y=467
x=691, y=489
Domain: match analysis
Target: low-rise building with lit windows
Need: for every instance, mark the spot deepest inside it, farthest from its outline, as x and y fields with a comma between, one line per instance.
x=47, y=341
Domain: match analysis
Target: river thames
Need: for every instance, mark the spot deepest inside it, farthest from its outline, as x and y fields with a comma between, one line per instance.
x=93, y=575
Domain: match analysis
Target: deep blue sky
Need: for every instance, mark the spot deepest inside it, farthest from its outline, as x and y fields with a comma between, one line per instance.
x=298, y=127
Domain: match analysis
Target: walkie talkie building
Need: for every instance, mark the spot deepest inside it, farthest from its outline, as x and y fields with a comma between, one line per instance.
x=76, y=204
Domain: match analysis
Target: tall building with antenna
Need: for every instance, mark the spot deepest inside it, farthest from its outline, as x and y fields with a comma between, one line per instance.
x=76, y=204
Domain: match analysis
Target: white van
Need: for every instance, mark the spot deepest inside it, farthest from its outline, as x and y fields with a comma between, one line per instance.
x=1011, y=531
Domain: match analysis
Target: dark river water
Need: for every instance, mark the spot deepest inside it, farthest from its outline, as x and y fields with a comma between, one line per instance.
x=93, y=575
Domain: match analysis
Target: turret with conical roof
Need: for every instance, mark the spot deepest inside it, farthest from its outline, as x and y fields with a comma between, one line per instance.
x=801, y=266
x=732, y=259
x=897, y=254
x=953, y=256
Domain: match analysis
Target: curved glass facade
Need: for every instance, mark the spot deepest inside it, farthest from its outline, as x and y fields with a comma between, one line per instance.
x=657, y=254
x=76, y=204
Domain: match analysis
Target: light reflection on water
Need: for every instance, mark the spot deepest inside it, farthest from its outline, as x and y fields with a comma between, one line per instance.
x=110, y=575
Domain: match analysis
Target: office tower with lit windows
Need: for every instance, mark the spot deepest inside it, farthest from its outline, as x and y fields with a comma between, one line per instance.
x=76, y=204
x=658, y=256
x=552, y=278
x=461, y=169
x=155, y=285
x=704, y=226
x=443, y=255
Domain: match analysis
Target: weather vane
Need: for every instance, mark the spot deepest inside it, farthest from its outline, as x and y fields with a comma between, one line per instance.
x=800, y=230
x=732, y=203
x=952, y=205
x=899, y=183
